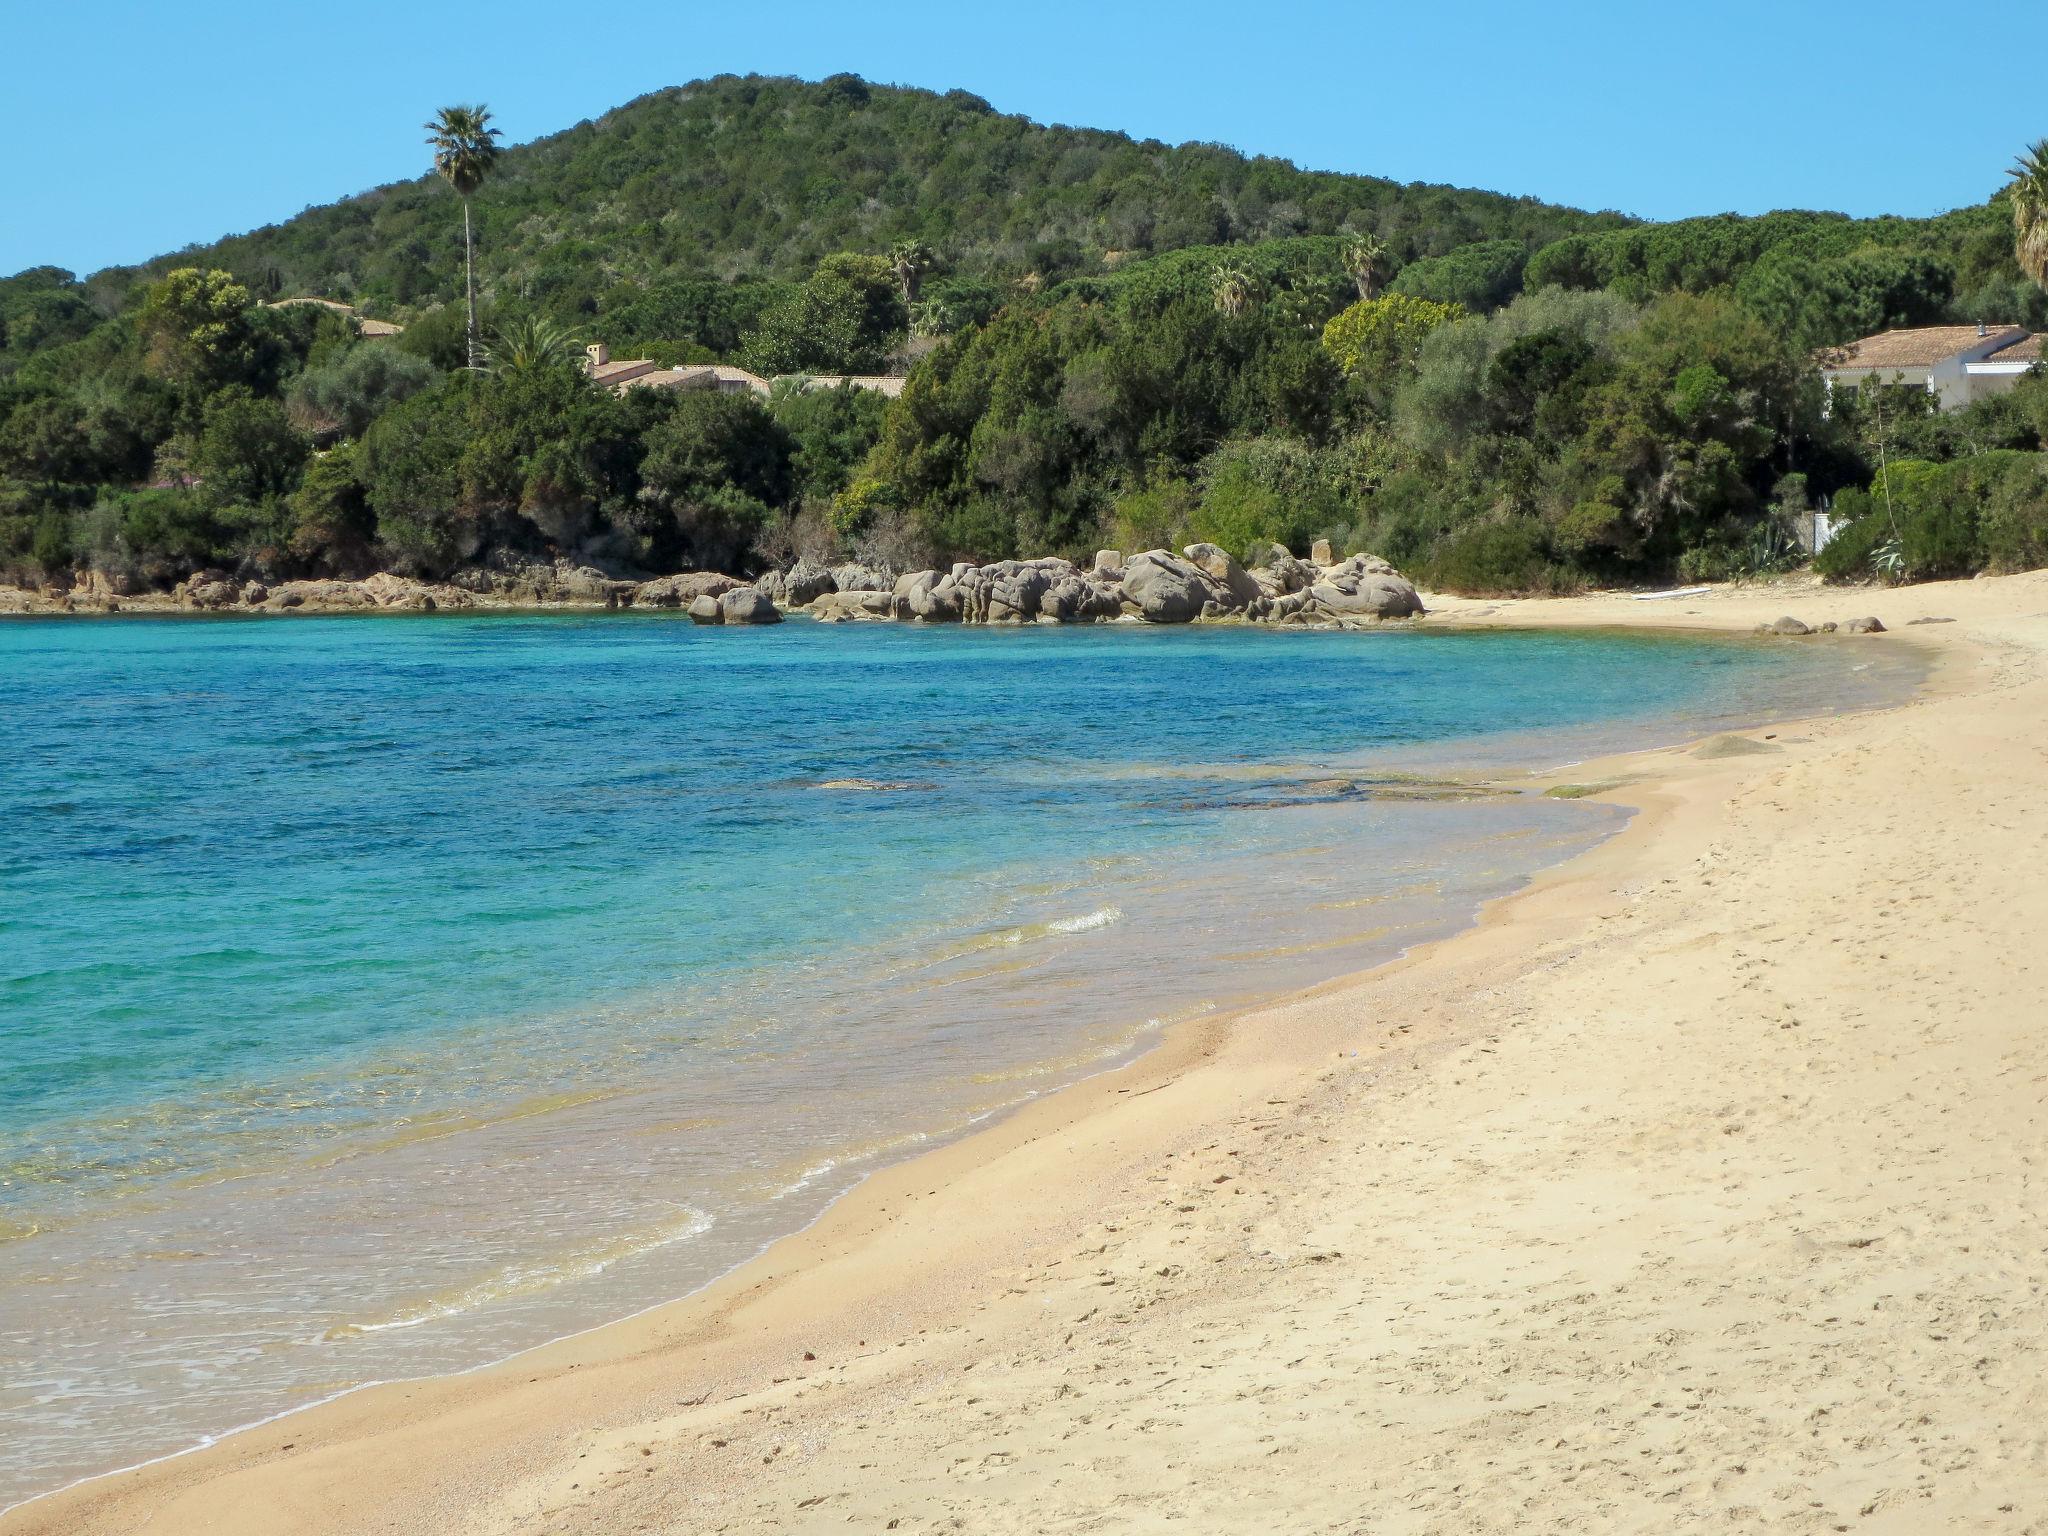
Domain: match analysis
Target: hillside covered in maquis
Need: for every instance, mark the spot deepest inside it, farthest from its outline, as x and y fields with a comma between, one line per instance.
x=1108, y=342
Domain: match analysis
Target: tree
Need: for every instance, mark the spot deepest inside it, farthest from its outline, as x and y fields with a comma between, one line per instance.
x=247, y=449
x=44, y=440
x=1233, y=287
x=345, y=394
x=910, y=260
x=465, y=151
x=195, y=328
x=531, y=341
x=1380, y=336
x=839, y=321
x=1480, y=276
x=2029, y=193
x=1363, y=257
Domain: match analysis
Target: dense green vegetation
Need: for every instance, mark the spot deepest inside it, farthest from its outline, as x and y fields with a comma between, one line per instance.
x=1114, y=342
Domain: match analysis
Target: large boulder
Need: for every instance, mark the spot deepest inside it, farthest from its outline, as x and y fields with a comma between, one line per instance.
x=804, y=583
x=1865, y=626
x=1109, y=566
x=928, y=596
x=401, y=592
x=747, y=605
x=834, y=607
x=1319, y=553
x=1078, y=599
x=682, y=590
x=1784, y=626
x=1162, y=588
x=1282, y=574
x=208, y=589
x=855, y=577
x=706, y=609
x=587, y=584
x=1235, y=581
x=1365, y=587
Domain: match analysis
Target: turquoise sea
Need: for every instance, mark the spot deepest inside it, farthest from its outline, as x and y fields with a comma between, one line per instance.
x=382, y=995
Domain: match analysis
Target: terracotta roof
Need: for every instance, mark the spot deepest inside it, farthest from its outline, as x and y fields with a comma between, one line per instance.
x=1921, y=347
x=2027, y=351
x=694, y=375
x=619, y=370
x=726, y=373
x=890, y=384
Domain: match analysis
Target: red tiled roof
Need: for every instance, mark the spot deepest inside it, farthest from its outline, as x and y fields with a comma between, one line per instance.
x=2025, y=351
x=1920, y=347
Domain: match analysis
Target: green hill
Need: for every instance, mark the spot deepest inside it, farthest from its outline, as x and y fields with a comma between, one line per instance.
x=740, y=177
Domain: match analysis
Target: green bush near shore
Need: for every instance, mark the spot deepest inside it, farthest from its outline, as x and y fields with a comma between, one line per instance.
x=1988, y=512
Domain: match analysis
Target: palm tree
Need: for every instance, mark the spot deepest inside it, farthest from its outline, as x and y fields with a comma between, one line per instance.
x=2030, y=211
x=531, y=341
x=1362, y=257
x=465, y=152
x=910, y=260
x=1233, y=288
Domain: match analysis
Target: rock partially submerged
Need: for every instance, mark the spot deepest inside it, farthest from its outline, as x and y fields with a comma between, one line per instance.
x=683, y=590
x=1794, y=627
x=738, y=605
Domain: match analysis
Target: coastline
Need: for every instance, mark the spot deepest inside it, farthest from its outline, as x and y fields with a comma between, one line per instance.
x=835, y=1309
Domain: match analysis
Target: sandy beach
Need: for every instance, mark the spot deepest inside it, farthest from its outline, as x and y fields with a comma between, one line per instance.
x=1694, y=1189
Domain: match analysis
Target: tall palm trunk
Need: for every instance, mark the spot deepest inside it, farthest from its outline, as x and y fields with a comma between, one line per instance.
x=469, y=280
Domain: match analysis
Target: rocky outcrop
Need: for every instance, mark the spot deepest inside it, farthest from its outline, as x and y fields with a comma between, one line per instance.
x=1164, y=589
x=855, y=577
x=802, y=584
x=1365, y=586
x=382, y=591
x=1156, y=586
x=738, y=605
x=682, y=590
x=837, y=607
x=1241, y=591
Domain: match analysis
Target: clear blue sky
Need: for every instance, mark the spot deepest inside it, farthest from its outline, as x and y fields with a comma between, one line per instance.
x=134, y=128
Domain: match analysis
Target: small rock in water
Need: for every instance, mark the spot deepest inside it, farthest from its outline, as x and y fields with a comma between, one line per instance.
x=1784, y=626
x=1865, y=626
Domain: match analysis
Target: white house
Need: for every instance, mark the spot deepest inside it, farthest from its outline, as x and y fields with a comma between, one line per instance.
x=1958, y=364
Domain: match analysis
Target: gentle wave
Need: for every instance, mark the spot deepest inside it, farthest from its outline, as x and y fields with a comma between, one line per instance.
x=529, y=1279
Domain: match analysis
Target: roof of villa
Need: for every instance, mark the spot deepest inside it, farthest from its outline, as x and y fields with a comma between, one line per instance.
x=1918, y=347
x=889, y=384
x=2026, y=350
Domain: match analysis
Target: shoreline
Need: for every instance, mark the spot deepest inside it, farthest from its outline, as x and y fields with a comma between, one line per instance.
x=858, y=1236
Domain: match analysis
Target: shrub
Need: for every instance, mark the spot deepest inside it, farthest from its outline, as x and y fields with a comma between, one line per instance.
x=1954, y=519
x=1508, y=558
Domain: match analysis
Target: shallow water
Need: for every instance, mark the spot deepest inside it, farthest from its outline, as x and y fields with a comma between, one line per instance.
x=382, y=995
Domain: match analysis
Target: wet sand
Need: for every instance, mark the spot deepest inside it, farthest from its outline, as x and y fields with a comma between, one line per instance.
x=1693, y=1189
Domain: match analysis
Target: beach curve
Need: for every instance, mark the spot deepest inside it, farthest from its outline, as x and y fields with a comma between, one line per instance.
x=1560, y=1220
